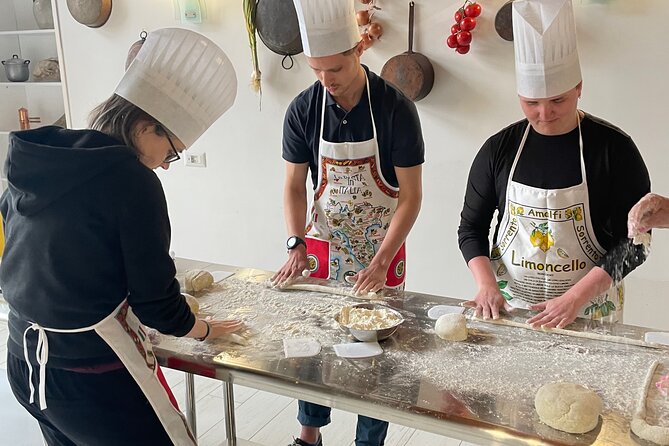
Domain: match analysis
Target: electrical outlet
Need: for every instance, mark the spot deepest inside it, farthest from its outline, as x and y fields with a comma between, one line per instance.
x=196, y=159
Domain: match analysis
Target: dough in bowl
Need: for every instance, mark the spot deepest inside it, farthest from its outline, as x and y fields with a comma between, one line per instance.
x=451, y=327
x=198, y=280
x=568, y=407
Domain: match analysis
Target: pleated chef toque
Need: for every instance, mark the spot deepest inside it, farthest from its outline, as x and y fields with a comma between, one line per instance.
x=544, y=39
x=327, y=27
x=182, y=79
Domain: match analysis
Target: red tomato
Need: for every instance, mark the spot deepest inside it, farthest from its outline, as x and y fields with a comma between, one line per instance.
x=455, y=29
x=462, y=49
x=452, y=41
x=473, y=10
x=362, y=17
x=375, y=30
x=464, y=38
x=468, y=24
x=459, y=15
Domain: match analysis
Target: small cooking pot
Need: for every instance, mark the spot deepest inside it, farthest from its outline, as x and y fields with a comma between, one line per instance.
x=16, y=69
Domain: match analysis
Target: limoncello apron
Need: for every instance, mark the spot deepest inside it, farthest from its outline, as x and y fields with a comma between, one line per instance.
x=125, y=334
x=352, y=208
x=546, y=244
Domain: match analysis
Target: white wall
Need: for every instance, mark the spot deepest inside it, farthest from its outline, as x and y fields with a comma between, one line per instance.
x=231, y=212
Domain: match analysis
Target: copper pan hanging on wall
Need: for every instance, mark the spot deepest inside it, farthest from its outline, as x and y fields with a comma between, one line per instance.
x=92, y=13
x=412, y=73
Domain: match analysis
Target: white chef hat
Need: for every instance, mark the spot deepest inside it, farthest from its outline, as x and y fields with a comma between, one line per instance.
x=327, y=27
x=544, y=39
x=182, y=79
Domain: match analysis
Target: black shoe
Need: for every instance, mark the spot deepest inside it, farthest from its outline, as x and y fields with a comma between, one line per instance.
x=298, y=442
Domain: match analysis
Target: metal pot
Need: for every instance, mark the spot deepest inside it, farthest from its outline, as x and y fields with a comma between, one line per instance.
x=16, y=69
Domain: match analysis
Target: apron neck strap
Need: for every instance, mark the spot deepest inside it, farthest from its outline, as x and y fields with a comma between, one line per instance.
x=369, y=101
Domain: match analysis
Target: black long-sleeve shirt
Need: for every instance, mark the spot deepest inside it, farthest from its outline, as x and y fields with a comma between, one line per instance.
x=615, y=172
x=86, y=226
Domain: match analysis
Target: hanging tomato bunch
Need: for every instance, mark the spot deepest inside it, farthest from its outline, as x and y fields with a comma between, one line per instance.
x=372, y=30
x=465, y=21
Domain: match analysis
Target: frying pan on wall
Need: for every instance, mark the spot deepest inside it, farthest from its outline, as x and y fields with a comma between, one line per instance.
x=412, y=73
x=503, y=21
x=278, y=28
x=92, y=13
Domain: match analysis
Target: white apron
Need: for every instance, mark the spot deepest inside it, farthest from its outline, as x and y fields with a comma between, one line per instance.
x=352, y=208
x=546, y=244
x=123, y=332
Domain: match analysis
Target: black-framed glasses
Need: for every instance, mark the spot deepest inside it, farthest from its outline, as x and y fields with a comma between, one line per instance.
x=173, y=155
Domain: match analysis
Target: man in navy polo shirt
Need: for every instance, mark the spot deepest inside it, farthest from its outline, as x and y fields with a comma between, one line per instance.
x=361, y=140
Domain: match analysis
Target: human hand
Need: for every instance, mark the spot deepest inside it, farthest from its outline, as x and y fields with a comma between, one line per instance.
x=555, y=313
x=652, y=211
x=218, y=328
x=294, y=266
x=487, y=302
x=370, y=280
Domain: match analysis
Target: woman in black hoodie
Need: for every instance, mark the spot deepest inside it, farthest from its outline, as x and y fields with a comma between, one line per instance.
x=86, y=263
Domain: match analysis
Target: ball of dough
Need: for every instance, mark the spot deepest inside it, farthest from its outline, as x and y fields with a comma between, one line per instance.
x=568, y=407
x=451, y=327
x=198, y=280
x=192, y=303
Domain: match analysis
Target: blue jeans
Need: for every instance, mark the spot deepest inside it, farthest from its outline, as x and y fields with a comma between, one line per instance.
x=369, y=432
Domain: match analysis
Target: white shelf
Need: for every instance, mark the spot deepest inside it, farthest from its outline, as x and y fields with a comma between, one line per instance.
x=28, y=32
x=30, y=84
x=4, y=132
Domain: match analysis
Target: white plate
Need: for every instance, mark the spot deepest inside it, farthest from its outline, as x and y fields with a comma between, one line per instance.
x=358, y=349
x=440, y=310
x=657, y=337
x=301, y=347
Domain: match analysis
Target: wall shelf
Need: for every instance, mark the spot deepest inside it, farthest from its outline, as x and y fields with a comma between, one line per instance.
x=30, y=84
x=28, y=32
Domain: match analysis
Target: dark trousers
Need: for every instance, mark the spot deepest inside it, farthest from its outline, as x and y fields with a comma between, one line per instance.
x=369, y=432
x=88, y=409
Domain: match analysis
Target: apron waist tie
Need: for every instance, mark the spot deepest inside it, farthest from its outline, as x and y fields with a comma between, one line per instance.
x=42, y=354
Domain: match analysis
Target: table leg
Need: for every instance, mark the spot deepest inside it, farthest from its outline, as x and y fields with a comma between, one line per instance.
x=191, y=417
x=229, y=401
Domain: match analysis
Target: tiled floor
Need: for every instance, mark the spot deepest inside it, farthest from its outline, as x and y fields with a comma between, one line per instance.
x=262, y=417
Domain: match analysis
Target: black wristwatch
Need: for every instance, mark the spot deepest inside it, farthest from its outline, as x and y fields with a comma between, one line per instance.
x=294, y=241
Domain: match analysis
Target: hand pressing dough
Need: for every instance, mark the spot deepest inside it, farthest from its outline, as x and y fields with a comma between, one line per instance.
x=198, y=280
x=451, y=327
x=568, y=407
x=192, y=303
x=656, y=434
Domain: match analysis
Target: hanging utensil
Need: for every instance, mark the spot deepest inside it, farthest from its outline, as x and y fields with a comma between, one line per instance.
x=279, y=29
x=412, y=73
x=92, y=13
x=503, y=21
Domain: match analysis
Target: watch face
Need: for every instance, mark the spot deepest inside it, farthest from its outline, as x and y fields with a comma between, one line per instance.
x=291, y=242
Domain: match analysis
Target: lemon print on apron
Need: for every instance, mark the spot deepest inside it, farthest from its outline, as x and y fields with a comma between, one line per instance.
x=542, y=237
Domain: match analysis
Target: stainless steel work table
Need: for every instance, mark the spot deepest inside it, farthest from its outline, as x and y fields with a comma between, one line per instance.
x=387, y=387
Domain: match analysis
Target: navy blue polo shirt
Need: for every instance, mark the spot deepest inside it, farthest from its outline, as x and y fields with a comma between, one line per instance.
x=399, y=134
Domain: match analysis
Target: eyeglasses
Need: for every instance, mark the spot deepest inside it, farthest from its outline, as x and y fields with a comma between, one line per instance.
x=174, y=155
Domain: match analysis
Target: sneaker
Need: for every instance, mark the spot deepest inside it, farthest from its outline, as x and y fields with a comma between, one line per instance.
x=299, y=442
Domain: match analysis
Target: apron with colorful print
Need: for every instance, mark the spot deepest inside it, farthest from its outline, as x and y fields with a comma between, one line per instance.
x=352, y=208
x=546, y=244
x=125, y=334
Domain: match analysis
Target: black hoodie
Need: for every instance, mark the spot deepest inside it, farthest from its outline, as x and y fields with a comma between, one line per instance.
x=86, y=226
